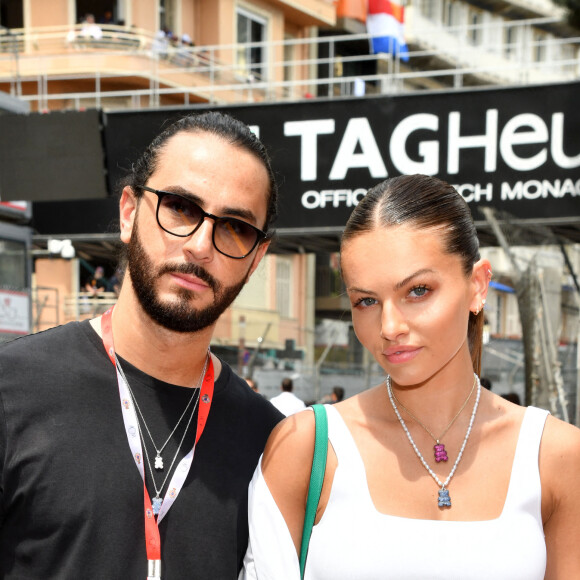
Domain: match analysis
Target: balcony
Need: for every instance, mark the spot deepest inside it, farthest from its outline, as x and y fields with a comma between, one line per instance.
x=55, y=68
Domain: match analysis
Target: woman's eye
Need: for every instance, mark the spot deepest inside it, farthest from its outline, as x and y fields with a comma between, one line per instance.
x=418, y=291
x=365, y=302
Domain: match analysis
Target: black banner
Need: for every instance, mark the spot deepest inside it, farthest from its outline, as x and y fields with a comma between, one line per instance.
x=58, y=156
x=514, y=149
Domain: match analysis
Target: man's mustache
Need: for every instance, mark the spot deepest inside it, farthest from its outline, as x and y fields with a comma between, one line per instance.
x=191, y=269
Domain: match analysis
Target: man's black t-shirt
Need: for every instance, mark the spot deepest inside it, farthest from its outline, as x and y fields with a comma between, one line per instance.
x=71, y=497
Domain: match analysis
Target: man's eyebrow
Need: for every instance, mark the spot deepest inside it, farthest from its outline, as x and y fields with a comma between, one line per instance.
x=239, y=212
x=408, y=279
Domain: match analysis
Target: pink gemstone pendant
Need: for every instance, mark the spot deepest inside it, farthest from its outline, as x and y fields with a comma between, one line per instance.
x=440, y=453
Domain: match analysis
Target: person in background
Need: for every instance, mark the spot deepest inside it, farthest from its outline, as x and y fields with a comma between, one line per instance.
x=486, y=383
x=97, y=283
x=287, y=402
x=116, y=280
x=512, y=398
x=428, y=475
x=90, y=30
x=126, y=445
x=253, y=385
x=335, y=396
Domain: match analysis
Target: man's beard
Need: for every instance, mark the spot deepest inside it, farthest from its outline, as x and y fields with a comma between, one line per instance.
x=179, y=315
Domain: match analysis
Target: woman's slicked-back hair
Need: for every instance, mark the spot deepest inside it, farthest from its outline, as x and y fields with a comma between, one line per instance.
x=223, y=126
x=421, y=202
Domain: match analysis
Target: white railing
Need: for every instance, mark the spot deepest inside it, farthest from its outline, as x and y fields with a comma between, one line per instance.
x=84, y=305
x=49, y=58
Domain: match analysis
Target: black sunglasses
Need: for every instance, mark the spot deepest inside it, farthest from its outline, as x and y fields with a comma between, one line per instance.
x=180, y=216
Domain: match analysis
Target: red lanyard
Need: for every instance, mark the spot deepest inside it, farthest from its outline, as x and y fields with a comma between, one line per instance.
x=152, y=538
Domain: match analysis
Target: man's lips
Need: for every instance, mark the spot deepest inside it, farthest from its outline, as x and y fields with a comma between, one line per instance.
x=189, y=281
x=401, y=354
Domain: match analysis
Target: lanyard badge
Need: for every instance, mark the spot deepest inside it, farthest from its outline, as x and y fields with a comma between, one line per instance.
x=154, y=516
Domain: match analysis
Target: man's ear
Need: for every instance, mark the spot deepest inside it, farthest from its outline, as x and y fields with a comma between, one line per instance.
x=260, y=253
x=480, y=279
x=127, y=211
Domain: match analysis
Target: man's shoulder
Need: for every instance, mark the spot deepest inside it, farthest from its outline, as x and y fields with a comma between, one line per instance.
x=58, y=344
x=50, y=336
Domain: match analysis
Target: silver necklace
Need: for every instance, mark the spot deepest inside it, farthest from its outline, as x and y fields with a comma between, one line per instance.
x=439, y=448
x=158, y=459
x=444, y=500
x=157, y=501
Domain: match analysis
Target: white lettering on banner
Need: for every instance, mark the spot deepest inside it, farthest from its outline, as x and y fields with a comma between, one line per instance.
x=535, y=189
x=358, y=131
x=359, y=148
x=308, y=132
x=473, y=192
x=428, y=150
x=335, y=197
x=488, y=140
x=512, y=134
x=556, y=149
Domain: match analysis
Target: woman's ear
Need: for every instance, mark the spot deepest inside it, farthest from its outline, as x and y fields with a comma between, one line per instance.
x=480, y=279
x=127, y=212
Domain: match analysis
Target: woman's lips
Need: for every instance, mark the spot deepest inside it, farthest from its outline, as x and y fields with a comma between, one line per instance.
x=401, y=354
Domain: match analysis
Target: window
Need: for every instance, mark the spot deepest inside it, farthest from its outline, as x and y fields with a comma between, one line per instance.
x=104, y=11
x=512, y=41
x=167, y=15
x=451, y=13
x=12, y=265
x=432, y=10
x=283, y=285
x=539, y=47
x=289, y=58
x=11, y=14
x=251, y=28
x=475, y=29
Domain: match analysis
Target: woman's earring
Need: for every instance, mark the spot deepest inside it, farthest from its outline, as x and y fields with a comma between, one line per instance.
x=480, y=308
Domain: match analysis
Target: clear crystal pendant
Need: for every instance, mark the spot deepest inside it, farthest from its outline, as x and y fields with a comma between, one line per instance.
x=159, y=462
x=157, y=501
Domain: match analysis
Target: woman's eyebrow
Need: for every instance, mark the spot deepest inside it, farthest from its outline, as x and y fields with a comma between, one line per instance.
x=420, y=272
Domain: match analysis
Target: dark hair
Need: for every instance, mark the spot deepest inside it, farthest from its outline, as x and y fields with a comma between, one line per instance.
x=485, y=382
x=339, y=393
x=287, y=384
x=222, y=125
x=424, y=202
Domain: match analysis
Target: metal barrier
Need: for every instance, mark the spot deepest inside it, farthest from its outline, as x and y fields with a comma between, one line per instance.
x=85, y=305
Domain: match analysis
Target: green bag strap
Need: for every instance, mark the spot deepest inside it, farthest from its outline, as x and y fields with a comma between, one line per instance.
x=316, y=480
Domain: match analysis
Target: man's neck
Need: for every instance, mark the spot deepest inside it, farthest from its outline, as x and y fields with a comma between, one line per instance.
x=173, y=357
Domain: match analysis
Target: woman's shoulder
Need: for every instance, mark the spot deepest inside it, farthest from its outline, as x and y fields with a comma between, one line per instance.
x=292, y=440
x=560, y=442
x=559, y=459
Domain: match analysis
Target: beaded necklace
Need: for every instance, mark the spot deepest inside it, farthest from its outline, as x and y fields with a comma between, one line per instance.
x=444, y=500
x=439, y=448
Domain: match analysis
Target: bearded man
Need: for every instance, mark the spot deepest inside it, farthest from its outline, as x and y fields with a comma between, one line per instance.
x=126, y=446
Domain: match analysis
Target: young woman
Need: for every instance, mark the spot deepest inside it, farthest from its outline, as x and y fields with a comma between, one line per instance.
x=429, y=475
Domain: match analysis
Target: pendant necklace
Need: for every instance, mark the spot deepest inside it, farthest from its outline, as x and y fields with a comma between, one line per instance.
x=444, y=500
x=157, y=501
x=439, y=448
x=158, y=459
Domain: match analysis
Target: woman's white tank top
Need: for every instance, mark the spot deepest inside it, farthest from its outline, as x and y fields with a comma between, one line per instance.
x=354, y=541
